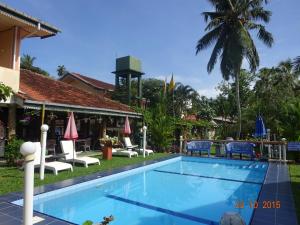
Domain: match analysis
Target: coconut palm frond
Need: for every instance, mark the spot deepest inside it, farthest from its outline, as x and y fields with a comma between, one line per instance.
x=260, y=14
x=208, y=39
x=262, y=34
x=216, y=52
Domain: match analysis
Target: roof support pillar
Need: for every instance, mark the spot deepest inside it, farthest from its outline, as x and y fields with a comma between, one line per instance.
x=12, y=108
x=14, y=51
x=103, y=130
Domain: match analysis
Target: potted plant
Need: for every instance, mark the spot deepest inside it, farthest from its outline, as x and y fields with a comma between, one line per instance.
x=107, y=143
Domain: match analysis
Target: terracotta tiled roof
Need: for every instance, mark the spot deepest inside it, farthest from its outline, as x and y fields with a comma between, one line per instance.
x=191, y=117
x=36, y=87
x=93, y=82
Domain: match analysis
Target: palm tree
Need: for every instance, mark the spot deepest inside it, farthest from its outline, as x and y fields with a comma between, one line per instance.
x=184, y=95
x=296, y=64
x=287, y=72
x=27, y=61
x=229, y=27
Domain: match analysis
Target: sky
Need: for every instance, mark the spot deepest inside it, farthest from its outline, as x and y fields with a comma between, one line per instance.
x=162, y=34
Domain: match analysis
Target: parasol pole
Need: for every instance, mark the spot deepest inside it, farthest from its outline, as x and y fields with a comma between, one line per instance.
x=73, y=139
x=73, y=152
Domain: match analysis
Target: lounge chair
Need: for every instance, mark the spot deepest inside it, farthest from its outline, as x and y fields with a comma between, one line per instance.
x=129, y=146
x=199, y=146
x=67, y=149
x=123, y=152
x=54, y=166
x=240, y=148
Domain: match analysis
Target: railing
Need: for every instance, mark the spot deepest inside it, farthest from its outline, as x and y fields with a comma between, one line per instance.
x=274, y=147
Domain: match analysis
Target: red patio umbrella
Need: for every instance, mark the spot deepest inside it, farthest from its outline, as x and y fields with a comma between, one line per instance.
x=71, y=132
x=127, y=129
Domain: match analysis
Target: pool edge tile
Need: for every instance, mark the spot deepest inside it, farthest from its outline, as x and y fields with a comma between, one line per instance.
x=277, y=176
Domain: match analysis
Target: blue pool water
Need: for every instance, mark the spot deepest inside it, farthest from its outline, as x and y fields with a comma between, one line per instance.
x=186, y=191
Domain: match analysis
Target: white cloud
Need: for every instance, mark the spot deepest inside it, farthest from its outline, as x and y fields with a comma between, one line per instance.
x=209, y=92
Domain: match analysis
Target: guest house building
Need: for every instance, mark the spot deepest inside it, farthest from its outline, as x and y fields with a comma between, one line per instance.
x=38, y=99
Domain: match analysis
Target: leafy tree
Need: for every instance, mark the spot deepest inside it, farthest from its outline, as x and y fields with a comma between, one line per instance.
x=152, y=91
x=205, y=108
x=275, y=91
x=296, y=64
x=5, y=92
x=225, y=103
x=290, y=121
x=27, y=62
x=61, y=70
x=229, y=27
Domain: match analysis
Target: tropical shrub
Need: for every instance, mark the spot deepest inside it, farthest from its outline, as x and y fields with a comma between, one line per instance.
x=5, y=92
x=161, y=126
x=162, y=129
x=12, y=151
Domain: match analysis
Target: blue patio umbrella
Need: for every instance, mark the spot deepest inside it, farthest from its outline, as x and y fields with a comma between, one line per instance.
x=260, y=130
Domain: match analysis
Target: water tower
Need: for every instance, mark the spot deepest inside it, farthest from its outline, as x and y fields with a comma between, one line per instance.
x=128, y=68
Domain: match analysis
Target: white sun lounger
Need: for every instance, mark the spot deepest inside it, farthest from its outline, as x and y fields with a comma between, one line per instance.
x=54, y=166
x=67, y=148
x=123, y=152
x=129, y=146
x=147, y=151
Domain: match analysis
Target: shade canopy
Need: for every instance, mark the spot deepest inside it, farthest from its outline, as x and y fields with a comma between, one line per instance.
x=127, y=129
x=260, y=130
x=71, y=131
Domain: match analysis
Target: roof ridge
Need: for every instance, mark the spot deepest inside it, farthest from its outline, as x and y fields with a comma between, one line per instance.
x=75, y=88
x=84, y=78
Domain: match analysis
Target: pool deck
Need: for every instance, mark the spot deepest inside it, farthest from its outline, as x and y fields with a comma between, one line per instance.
x=276, y=187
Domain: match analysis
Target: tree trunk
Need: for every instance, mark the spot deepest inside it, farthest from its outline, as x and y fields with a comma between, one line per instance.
x=238, y=102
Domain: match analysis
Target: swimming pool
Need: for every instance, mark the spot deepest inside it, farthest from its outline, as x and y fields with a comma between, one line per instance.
x=183, y=190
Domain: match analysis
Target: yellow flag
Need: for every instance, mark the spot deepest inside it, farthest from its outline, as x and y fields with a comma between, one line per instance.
x=172, y=84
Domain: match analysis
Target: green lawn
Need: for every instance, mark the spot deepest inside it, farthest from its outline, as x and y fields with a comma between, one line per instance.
x=11, y=178
x=295, y=179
